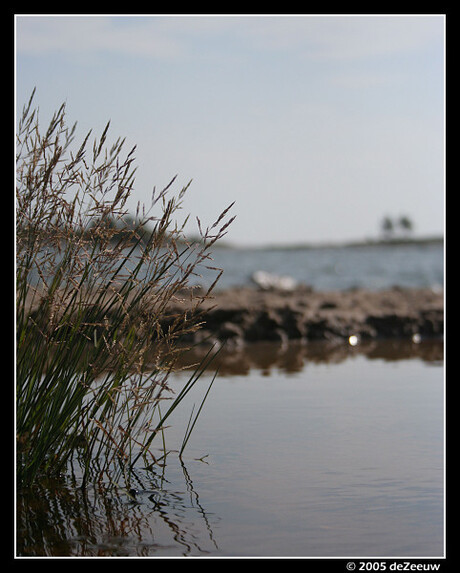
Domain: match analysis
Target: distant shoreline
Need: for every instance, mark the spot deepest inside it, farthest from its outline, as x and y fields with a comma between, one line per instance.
x=400, y=241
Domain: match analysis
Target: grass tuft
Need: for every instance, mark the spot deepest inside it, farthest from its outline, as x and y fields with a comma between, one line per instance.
x=93, y=288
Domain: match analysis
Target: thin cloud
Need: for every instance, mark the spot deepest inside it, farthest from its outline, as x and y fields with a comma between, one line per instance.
x=322, y=38
x=82, y=35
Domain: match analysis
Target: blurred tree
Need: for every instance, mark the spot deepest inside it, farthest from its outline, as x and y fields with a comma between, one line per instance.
x=387, y=227
x=405, y=224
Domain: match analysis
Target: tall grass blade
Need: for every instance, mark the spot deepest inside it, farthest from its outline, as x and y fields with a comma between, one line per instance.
x=93, y=289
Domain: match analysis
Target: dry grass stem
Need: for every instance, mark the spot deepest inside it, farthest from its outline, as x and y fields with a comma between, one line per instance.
x=95, y=343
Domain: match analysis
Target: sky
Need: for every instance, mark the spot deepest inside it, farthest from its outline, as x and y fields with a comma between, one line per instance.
x=317, y=126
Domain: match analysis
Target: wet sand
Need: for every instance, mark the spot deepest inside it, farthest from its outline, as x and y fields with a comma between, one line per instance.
x=247, y=315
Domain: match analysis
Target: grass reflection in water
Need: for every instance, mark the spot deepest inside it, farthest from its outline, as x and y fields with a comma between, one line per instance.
x=58, y=518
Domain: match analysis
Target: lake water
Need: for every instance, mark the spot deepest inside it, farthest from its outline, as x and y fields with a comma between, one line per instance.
x=370, y=266
x=335, y=268
x=297, y=453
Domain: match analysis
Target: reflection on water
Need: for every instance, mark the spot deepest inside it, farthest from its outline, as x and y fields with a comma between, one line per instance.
x=301, y=451
x=291, y=358
x=58, y=518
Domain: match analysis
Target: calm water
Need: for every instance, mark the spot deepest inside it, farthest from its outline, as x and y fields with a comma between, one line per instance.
x=307, y=453
x=374, y=267
x=326, y=268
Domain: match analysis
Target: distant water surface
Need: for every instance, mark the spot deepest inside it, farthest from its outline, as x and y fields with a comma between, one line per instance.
x=374, y=267
x=336, y=268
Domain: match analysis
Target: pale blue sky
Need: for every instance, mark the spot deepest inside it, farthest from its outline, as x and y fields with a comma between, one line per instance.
x=317, y=126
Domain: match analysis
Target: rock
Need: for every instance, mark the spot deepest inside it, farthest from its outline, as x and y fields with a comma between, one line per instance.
x=328, y=304
x=269, y=281
x=229, y=330
x=266, y=325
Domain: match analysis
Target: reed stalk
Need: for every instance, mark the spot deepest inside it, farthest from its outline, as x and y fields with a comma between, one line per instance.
x=93, y=288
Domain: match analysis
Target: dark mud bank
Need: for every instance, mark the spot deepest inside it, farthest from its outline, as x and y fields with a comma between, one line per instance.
x=245, y=315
